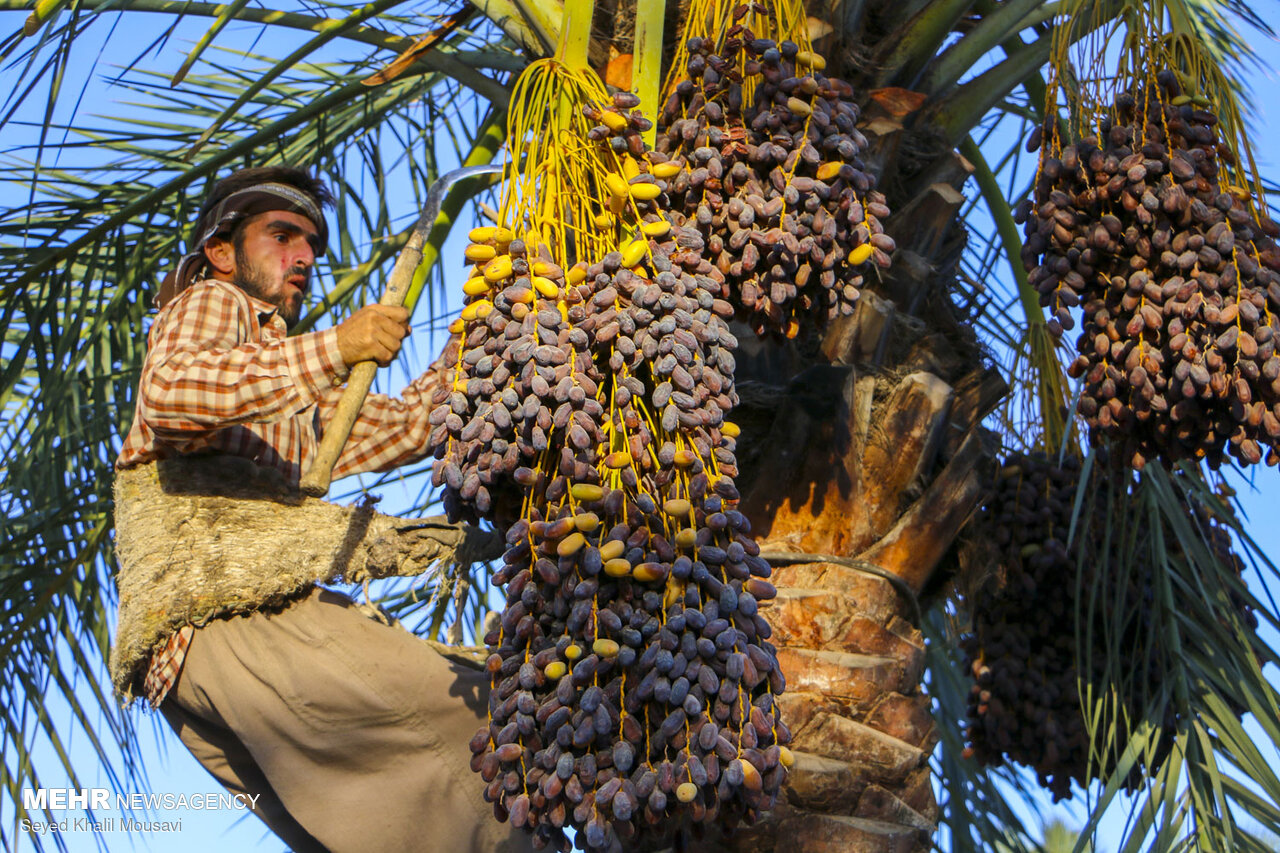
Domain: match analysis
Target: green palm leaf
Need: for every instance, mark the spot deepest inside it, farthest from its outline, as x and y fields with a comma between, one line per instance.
x=105, y=201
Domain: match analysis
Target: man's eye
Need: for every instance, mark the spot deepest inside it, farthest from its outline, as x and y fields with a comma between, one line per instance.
x=282, y=238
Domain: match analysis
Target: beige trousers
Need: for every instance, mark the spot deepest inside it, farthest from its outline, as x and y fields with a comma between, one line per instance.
x=354, y=733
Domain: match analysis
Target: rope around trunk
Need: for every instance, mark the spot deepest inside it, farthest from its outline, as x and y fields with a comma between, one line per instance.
x=794, y=557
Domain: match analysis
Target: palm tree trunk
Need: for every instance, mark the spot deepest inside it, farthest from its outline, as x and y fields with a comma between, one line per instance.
x=871, y=465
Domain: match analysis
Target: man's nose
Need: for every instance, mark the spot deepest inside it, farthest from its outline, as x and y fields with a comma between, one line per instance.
x=304, y=255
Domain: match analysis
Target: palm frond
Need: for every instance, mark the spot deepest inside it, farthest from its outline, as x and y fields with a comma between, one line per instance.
x=1205, y=735
x=977, y=804
x=1206, y=796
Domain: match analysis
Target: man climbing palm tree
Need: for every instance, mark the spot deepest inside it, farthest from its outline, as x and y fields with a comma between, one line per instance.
x=345, y=733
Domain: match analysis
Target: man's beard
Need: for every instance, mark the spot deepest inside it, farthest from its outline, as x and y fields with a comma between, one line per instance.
x=255, y=281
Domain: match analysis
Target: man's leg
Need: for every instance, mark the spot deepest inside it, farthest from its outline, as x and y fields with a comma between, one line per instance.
x=224, y=756
x=359, y=729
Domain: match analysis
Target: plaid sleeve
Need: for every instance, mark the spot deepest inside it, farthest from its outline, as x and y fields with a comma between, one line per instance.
x=203, y=370
x=166, y=666
x=390, y=431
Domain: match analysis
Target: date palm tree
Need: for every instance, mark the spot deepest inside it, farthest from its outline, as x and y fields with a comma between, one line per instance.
x=865, y=451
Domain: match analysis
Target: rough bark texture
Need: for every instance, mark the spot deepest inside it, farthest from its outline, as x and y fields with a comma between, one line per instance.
x=865, y=447
x=872, y=480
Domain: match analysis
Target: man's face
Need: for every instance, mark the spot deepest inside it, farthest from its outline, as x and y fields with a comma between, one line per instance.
x=274, y=253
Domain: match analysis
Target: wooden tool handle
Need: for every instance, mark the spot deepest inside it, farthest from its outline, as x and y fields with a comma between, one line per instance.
x=315, y=482
x=336, y=432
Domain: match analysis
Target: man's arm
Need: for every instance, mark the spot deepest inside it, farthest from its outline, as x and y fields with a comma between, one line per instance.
x=390, y=431
x=202, y=372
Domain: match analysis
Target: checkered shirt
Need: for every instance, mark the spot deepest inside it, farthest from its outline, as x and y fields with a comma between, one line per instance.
x=221, y=375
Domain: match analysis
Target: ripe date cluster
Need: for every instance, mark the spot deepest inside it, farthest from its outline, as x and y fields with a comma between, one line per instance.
x=1023, y=651
x=772, y=180
x=1177, y=282
x=634, y=686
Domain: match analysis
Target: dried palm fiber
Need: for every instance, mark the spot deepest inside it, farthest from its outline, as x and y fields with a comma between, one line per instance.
x=208, y=536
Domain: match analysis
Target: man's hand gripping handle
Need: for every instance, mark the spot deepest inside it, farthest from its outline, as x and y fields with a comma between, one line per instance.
x=315, y=482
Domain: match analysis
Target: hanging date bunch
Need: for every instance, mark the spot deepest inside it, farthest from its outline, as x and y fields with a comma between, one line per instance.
x=1023, y=649
x=1142, y=227
x=769, y=169
x=634, y=686
x=511, y=372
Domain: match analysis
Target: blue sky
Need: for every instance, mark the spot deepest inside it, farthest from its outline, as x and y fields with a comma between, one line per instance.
x=172, y=770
